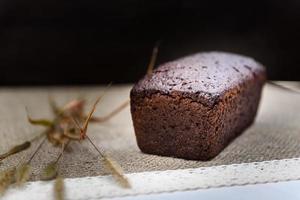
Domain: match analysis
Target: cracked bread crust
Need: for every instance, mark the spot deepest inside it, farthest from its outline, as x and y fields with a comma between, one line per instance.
x=187, y=111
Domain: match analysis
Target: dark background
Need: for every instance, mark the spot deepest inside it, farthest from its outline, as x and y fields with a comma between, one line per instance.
x=95, y=41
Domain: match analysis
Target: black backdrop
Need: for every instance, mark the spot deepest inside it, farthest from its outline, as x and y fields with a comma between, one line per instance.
x=95, y=41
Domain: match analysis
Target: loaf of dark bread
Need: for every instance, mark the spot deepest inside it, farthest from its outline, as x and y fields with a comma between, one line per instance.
x=193, y=107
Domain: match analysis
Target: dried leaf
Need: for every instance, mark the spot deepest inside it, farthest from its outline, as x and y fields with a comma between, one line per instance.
x=116, y=171
x=59, y=189
x=16, y=149
x=49, y=172
x=22, y=174
x=7, y=177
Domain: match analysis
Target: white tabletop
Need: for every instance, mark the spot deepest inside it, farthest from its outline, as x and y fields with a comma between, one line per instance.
x=282, y=190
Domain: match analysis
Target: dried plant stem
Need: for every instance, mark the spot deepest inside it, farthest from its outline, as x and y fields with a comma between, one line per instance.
x=62, y=151
x=113, y=113
x=36, y=150
x=22, y=174
x=59, y=189
x=23, y=171
x=38, y=136
x=7, y=177
x=59, y=186
x=21, y=147
x=97, y=149
x=40, y=122
x=116, y=171
x=17, y=175
x=16, y=149
x=113, y=166
x=83, y=130
x=50, y=171
x=153, y=58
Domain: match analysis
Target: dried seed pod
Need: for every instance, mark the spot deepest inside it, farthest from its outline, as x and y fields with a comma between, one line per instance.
x=49, y=172
x=7, y=177
x=41, y=122
x=59, y=189
x=117, y=171
x=16, y=149
x=22, y=174
x=112, y=166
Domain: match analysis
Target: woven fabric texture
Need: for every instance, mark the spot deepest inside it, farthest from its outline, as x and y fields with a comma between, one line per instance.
x=274, y=135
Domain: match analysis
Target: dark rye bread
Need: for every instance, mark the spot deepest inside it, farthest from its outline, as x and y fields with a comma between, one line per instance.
x=193, y=107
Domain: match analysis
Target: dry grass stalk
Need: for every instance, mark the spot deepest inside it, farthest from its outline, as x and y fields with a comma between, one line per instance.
x=41, y=122
x=117, y=171
x=22, y=174
x=60, y=131
x=49, y=172
x=59, y=189
x=7, y=177
x=17, y=175
x=113, y=167
x=83, y=130
x=16, y=149
x=111, y=114
x=153, y=58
